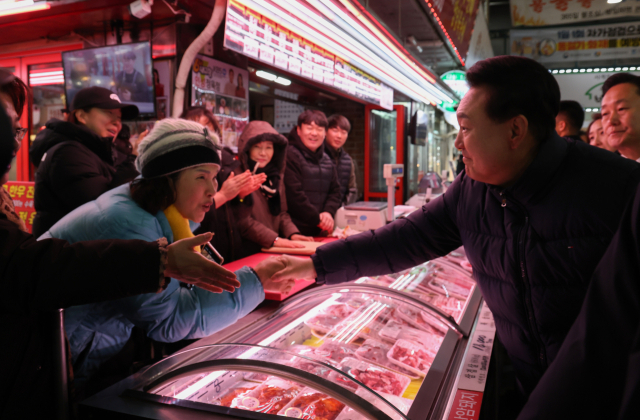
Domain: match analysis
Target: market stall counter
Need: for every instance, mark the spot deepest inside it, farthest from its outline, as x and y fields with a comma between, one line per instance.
x=411, y=345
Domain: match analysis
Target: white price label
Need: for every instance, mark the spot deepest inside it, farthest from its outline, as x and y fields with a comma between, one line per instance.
x=476, y=363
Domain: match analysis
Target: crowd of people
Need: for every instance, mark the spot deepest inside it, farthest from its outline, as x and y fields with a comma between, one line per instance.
x=536, y=209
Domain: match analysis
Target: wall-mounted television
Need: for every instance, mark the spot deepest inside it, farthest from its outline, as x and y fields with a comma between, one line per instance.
x=125, y=69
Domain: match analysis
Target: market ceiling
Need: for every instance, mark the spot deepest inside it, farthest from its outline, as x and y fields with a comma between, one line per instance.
x=87, y=17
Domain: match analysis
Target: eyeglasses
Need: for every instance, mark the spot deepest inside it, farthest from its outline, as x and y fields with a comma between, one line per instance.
x=20, y=132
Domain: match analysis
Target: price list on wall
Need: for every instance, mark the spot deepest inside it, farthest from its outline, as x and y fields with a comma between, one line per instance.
x=252, y=34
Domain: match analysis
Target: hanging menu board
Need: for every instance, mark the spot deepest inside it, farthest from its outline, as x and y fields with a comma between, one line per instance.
x=251, y=34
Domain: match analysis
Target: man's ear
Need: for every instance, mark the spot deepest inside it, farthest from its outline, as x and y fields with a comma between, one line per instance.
x=81, y=116
x=561, y=125
x=519, y=128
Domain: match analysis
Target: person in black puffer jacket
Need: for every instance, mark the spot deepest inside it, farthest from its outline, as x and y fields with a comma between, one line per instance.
x=337, y=133
x=311, y=180
x=77, y=160
x=525, y=208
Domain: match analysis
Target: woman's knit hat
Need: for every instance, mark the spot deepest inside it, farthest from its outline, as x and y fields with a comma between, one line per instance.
x=175, y=144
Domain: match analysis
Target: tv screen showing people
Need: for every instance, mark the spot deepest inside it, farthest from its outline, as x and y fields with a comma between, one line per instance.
x=127, y=70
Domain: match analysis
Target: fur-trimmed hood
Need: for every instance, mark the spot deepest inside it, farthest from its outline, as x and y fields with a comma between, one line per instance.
x=257, y=131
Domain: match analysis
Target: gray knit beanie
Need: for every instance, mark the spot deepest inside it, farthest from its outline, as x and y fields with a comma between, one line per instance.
x=175, y=144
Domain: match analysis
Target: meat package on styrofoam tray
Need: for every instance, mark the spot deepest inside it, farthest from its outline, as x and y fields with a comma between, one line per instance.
x=317, y=369
x=375, y=377
x=323, y=323
x=235, y=392
x=312, y=404
x=394, y=331
x=412, y=356
x=402, y=404
x=421, y=320
x=375, y=352
x=336, y=351
x=268, y=398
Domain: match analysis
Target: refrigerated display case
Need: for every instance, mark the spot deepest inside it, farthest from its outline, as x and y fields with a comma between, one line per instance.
x=397, y=346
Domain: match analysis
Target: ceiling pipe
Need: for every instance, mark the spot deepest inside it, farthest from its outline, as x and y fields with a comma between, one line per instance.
x=219, y=10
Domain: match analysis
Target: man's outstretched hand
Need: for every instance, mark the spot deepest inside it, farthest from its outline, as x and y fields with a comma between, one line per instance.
x=294, y=268
x=265, y=271
x=189, y=266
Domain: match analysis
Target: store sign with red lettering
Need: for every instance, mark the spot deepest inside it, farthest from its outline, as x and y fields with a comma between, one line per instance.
x=22, y=195
x=262, y=39
x=458, y=18
x=559, y=12
x=578, y=43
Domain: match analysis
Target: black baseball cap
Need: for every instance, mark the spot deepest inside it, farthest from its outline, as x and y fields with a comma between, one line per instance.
x=99, y=97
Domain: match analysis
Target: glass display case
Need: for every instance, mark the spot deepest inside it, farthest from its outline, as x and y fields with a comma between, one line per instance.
x=385, y=347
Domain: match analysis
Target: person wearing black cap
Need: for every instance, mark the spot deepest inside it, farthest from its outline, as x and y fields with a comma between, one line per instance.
x=131, y=85
x=77, y=160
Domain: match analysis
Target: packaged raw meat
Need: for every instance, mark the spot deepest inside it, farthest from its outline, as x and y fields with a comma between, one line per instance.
x=394, y=331
x=237, y=391
x=357, y=327
x=270, y=397
x=323, y=323
x=411, y=356
x=375, y=352
x=341, y=310
x=448, y=287
x=449, y=305
x=336, y=351
x=375, y=377
x=416, y=319
x=311, y=404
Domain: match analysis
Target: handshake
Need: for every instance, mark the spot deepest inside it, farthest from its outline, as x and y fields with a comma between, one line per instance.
x=279, y=273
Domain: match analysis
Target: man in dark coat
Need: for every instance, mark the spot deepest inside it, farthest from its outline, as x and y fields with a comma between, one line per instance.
x=596, y=374
x=569, y=120
x=311, y=181
x=77, y=160
x=531, y=232
x=337, y=134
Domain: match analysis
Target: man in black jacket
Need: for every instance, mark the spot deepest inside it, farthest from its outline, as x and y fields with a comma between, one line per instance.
x=337, y=134
x=77, y=160
x=310, y=179
x=524, y=209
x=569, y=120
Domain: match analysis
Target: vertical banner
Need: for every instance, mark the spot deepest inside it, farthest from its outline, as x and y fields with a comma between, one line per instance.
x=457, y=17
x=224, y=90
x=22, y=195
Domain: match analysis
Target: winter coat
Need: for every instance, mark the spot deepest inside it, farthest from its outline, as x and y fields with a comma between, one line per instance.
x=312, y=185
x=596, y=374
x=40, y=277
x=533, y=246
x=97, y=332
x=75, y=167
x=346, y=170
x=255, y=221
x=222, y=220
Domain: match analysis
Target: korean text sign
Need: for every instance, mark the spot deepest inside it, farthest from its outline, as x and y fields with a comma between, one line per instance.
x=22, y=195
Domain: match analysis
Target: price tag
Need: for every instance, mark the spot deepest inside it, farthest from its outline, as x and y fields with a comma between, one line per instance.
x=251, y=47
x=293, y=412
x=476, y=362
x=250, y=402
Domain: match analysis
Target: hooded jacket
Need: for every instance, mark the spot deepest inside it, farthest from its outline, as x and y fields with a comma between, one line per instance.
x=256, y=222
x=312, y=185
x=99, y=331
x=533, y=246
x=75, y=166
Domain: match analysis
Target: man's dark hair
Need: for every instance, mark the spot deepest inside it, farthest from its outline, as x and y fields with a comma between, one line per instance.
x=17, y=90
x=518, y=86
x=340, y=121
x=574, y=114
x=194, y=113
x=313, y=116
x=619, y=78
x=154, y=194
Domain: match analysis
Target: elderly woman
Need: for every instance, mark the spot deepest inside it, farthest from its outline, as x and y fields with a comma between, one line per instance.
x=262, y=216
x=178, y=161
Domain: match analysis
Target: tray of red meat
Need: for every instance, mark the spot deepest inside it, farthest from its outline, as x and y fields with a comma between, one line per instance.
x=394, y=331
x=375, y=352
x=270, y=397
x=323, y=323
x=238, y=390
x=411, y=356
x=311, y=404
x=336, y=351
x=420, y=320
x=374, y=377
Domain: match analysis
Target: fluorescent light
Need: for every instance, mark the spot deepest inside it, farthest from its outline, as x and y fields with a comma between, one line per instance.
x=618, y=68
x=283, y=81
x=582, y=70
x=555, y=72
x=23, y=7
x=266, y=75
x=632, y=68
x=561, y=71
x=614, y=1
x=589, y=70
x=610, y=69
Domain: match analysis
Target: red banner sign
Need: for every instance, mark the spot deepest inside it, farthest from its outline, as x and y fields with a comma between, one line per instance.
x=457, y=18
x=466, y=405
x=22, y=195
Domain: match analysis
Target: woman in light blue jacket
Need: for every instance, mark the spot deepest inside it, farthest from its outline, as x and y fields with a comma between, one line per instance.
x=178, y=161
